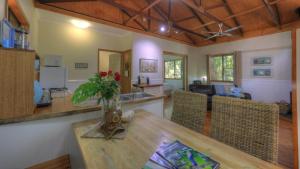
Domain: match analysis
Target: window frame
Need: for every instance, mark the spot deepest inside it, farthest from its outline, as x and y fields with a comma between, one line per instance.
x=181, y=75
x=223, y=56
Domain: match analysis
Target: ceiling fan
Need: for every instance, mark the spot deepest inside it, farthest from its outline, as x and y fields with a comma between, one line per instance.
x=222, y=32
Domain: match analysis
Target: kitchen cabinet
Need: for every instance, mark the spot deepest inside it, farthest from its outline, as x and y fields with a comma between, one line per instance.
x=16, y=83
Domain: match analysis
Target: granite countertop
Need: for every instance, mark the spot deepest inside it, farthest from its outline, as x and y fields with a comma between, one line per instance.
x=64, y=107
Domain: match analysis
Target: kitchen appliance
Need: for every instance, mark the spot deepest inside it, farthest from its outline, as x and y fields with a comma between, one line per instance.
x=46, y=99
x=53, y=77
x=53, y=61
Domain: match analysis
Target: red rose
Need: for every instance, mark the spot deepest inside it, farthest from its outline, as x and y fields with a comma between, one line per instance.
x=103, y=74
x=109, y=72
x=117, y=76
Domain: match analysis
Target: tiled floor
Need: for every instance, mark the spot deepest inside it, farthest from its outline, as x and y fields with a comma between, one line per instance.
x=285, y=135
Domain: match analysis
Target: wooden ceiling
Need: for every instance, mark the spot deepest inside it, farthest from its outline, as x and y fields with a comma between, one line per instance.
x=189, y=20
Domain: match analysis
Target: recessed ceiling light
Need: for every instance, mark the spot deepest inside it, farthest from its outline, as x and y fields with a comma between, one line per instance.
x=80, y=23
x=162, y=28
x=176, y=31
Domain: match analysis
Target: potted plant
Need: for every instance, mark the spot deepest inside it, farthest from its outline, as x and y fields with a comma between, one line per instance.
x=105, y=87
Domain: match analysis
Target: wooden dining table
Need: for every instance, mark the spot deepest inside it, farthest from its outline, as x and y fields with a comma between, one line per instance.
x=145, y=134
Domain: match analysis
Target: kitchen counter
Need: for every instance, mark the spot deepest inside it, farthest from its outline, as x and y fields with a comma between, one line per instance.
x=60, y=107
x=48, y=132
x=147, y=85
x=64, y=107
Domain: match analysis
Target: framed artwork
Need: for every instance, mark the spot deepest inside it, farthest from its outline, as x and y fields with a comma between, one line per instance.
x=148, y=65
x=262, y=72
x=260, y=61
x=81, y=65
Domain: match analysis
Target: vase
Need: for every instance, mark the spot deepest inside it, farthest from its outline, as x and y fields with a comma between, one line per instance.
x=112, y=118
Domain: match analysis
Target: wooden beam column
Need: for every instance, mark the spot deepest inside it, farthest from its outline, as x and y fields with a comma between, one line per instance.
x=294, y=97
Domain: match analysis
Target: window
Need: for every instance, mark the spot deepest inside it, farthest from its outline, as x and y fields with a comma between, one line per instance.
x=221, y=68
x=173, y=69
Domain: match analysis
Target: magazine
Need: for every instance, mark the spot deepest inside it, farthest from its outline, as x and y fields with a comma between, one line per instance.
x=179, y=156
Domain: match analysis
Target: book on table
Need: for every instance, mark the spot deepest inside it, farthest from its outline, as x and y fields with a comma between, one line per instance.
x=179, y=156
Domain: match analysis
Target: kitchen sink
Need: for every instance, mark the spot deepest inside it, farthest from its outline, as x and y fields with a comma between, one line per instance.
x=133, y=96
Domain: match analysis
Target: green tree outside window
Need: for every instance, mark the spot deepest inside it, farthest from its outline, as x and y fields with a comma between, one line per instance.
x=173, y=69
x=222, y=68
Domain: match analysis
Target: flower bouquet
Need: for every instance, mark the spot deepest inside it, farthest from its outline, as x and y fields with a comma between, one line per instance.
x=105, y=87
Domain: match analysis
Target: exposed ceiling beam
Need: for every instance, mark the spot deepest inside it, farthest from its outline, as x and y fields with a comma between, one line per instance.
x=170, y=9
x=190, y=38
x=246, y=12
x=197, y=2
x=16, y=8
x=237, y=23
x=149, y=6
x=274, y=14
x=195, y=14
x=72, y=13
x=277, y=11
x=137, y=22
x=188, y=31
x=214, y=6
x=185, y=19
x=133, y=11
x=149, y=21
x=167, y=19
x=163, y=15
x=201, y=21
x=174, y=24
x=202, y=11
x=55, y=1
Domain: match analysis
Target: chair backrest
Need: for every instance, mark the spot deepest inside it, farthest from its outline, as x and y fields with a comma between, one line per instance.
x=246, y=125
x=189, y=110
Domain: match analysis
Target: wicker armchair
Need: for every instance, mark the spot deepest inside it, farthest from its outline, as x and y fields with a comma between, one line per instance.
x=246, y=125
x=189, y=110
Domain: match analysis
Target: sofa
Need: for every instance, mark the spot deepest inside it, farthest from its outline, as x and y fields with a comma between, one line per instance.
x=210, y=90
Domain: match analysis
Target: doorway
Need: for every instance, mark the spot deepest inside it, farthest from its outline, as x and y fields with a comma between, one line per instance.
x=117, y=61
x=175, y=71
x=109, y=60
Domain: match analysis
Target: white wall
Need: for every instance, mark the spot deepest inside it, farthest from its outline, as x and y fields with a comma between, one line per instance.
x=56, y=36
x=277, y=46
x=272, y=89
x=148, y=47
x=2, y=9
x=30, y=143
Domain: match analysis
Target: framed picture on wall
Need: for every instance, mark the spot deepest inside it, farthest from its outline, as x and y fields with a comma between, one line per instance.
x=261, y=61
x=262, y=72
x=148, y=65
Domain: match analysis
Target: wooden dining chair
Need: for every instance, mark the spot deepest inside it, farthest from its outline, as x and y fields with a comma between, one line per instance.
x=189, y=110
x=246, y=125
